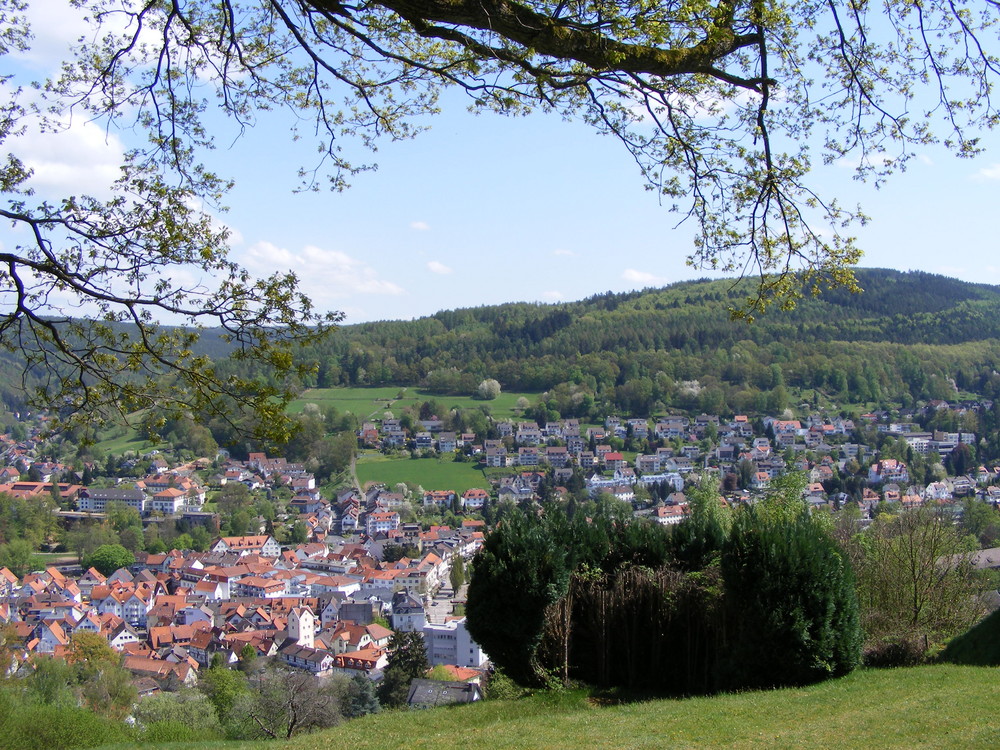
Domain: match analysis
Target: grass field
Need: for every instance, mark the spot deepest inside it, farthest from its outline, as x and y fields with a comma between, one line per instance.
x=932, y=707
x=936, y=707
x=372, y=402
x=118, y=444
x=42, y=560
x=429, y=473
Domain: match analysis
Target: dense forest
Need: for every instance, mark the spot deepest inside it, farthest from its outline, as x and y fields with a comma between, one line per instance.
x=907, y=337
x=17, y=383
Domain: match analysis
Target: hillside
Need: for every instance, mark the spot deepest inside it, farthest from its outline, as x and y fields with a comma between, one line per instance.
x=15, y=383
x=940, y=706
x=908, y=336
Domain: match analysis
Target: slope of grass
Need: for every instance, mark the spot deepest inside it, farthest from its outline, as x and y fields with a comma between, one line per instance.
x=980, y=646
x=120, y=440
x=364, y=402
x=940, y=707
x=943, y=706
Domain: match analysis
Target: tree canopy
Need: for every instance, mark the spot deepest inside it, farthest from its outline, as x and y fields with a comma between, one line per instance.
x=90, y=279
x=724, y=106
x=109, y=557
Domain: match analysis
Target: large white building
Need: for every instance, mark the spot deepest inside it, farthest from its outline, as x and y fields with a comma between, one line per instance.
x=96, y=500
x=381, y=522
x=263, y=545
x=451, y=643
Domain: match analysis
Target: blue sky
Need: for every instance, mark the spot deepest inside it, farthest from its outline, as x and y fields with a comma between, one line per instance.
x=485, y=209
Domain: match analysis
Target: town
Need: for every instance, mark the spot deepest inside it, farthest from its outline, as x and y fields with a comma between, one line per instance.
x=329, y=601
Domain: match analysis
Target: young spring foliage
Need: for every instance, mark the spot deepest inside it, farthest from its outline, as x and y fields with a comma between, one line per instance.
x=724, y=106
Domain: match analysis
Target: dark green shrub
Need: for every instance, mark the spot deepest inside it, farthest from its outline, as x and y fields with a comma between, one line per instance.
x=517, y=574
x=791, y=604
x=760, y=597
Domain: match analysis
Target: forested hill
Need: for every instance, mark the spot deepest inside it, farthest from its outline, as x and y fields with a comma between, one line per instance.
x=838, y=342
x=908, y=336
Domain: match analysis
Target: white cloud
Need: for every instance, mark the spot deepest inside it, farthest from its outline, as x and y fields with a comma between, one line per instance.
x=563, y=251
x=55, y=26
x=643, y=277
x=420, y=226
x=438, y=267
x=323, y=274
x=80, y=159
x=235, y=236
x=552, y=296
x=58, y=27
x=989, y=173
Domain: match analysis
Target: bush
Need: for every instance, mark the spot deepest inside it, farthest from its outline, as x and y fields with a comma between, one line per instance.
x=500, y=687
x=518, y=573
x=27, y=725
x=764, y=600
x=161, y=732
x=187, y=710
x=907, y=652
x=791, y=604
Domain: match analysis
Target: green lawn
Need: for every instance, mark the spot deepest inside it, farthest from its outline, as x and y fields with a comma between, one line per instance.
x=372, y=402
x=42, y=560
x=931, y=707
x=935, y=707
x=429, y=473
x=118, y=444
x=364, y=402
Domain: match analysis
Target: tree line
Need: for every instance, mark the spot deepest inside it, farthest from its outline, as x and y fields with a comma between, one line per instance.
x=632, y=351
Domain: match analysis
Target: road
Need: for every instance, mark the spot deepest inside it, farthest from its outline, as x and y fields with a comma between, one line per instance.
x=441, y=605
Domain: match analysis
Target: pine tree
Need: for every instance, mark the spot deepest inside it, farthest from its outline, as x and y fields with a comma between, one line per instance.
x=407, y=660
x=361, y=698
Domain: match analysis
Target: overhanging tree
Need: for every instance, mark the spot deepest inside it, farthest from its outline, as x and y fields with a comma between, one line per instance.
x=152, y=250
x=725, y=107
x=718, y=102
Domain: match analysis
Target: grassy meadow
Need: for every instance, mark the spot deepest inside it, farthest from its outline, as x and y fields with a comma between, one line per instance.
x=935, y=707
x=429, y=473
x=373, y=402
x=129, y=442
x=942, y=706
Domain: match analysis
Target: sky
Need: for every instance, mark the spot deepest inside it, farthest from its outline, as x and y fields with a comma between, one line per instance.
x=483, y=209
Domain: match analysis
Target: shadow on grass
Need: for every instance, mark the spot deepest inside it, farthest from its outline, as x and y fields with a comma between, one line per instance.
x=978, y=647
